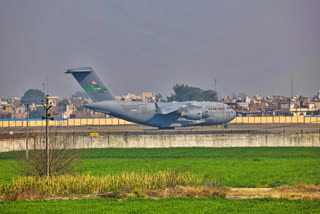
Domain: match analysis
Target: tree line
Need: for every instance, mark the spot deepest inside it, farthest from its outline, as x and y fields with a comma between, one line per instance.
x=184, y=92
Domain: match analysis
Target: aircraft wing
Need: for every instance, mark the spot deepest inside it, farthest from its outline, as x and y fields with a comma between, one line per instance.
x=172, y=107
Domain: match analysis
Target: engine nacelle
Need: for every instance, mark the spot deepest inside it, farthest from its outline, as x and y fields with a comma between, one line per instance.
x=195, y=114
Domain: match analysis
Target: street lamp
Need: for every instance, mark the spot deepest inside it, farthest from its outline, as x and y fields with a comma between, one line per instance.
x=47, y=118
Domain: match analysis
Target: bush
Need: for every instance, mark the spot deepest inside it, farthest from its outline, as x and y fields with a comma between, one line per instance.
x=62, y=157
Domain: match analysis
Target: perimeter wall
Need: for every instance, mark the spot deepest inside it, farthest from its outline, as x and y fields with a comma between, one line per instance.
x=127, y=140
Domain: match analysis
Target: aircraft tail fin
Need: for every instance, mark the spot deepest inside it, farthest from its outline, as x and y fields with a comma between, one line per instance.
x=91, y=83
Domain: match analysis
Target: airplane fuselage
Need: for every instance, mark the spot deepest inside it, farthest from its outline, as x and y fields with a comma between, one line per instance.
x=161, y=115
x=199, y=114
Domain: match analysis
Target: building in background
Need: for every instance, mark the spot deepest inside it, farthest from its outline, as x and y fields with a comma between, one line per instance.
x=144, y=97
x=244, y=106
x=53, y=100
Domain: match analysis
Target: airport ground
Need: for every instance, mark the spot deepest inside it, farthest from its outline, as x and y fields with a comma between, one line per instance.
x=228, y=167
x=233, y=128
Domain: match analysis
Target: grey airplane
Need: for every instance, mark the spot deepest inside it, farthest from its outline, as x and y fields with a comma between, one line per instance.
x=164, y=115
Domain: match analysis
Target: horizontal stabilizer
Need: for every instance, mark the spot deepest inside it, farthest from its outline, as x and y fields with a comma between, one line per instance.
x=79, y=70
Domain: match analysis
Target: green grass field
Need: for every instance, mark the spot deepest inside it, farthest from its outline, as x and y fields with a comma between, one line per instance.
x=235, y=167
x=173, y=205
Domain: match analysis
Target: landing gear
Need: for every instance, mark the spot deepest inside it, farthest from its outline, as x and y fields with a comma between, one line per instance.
x=226, y=126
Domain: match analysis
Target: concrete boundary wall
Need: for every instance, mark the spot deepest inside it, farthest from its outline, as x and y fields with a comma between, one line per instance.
x=125, y=140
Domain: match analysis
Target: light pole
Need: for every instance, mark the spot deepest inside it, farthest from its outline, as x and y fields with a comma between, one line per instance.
x=47, y=117
x=27, y=137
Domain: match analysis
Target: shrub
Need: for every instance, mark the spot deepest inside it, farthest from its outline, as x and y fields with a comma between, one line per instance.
x=62, y=157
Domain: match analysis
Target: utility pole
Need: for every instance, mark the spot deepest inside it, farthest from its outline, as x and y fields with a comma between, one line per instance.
x=291, y=88
x=27, y=135
x=47, y=117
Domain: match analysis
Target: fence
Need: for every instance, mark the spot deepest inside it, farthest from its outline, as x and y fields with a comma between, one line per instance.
x=4, y=123
x=63, y=122
x=276, y=119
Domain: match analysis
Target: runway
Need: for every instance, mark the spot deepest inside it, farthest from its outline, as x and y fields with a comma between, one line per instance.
x=139, y=129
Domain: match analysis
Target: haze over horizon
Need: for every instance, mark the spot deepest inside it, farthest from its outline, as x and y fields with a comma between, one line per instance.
x=252, y=47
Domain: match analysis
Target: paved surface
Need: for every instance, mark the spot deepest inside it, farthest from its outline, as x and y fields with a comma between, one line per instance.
x=138, y=129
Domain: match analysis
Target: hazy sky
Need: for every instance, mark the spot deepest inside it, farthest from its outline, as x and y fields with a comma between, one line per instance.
x=249, y=46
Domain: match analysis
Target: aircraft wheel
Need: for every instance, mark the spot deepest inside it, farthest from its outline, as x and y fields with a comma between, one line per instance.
x=226, y=126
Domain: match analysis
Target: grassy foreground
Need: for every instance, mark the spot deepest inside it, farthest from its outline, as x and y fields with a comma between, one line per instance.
x=234, y=167
x=173, y=205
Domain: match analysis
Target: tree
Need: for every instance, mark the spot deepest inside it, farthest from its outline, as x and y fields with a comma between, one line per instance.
x=187, y=93
x=35, y=96
x=209, y=95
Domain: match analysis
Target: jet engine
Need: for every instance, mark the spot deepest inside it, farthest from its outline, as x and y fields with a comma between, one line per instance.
x=195, y=114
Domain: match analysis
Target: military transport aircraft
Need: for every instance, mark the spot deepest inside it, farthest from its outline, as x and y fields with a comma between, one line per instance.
x=159, y=114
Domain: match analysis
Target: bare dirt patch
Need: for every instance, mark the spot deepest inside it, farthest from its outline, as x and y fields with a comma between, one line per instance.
x=305, y=192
